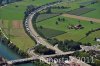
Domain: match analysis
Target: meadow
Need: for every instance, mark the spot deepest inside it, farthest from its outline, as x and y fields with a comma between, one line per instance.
x=71, y=34
x=95, y=13
x=11, y=19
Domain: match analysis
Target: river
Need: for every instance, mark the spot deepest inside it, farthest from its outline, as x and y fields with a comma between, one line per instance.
x=8, y=54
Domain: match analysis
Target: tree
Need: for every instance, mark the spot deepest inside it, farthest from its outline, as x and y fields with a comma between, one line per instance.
x=30, y=8
x=44, y=50
x=63, y=19
x=48, y=10
x=91, y=22
x=56, y=22
x=0, y=33
x=41, y=27
x=59, y=19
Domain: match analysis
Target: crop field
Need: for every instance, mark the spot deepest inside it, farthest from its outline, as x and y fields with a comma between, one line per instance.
x=15, y=31
x=80, y=11
x=49, y=33
x=90, y=10
x=11, y=21
x=95, y=13
x=11, y=18
x=71, y=34
x=11, y=12
x=71, y=6
x=42, y=17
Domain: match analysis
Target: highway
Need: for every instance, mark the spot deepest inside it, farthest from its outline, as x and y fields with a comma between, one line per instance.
x=33, y=33
x=41, y=58
x=31, y=30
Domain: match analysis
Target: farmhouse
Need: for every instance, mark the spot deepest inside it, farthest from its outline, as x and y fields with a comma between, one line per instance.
x=98, y=39
x=79, y=26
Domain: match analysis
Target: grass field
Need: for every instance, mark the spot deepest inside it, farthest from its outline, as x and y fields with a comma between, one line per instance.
x=42, y=17
x=95, y=13
x=15, y=31
x=10, y=14
x=80, y=11
x=73, y=5
x=71, y=34
x=49, y=33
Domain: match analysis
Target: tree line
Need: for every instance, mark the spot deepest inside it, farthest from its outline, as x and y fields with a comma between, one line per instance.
x=91, y=31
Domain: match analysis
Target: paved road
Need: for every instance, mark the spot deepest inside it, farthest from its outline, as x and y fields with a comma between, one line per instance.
x=53, y=55
x=41, y=57
x=82, y=18
x=30, y=28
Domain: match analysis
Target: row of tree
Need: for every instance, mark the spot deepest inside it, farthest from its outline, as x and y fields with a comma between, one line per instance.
x=43, y=50
x=60, y=7
x=66, y=45
x=89, y=32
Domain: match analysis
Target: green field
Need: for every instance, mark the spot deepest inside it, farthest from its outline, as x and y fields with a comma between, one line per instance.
x=71, y=34
x=17, y=35
x=42, y=17
x=49, y=33
x=95, y=13
x=11, y=13
x=72, y=5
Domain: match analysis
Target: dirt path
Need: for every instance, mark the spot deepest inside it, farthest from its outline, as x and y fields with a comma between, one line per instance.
x=82, y=18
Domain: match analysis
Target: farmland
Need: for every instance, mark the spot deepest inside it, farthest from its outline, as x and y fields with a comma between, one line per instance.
x=64, y=26
x=15, y=31
x=11, y=14
x=71, y=34
x=49, y=33
x=95, y=13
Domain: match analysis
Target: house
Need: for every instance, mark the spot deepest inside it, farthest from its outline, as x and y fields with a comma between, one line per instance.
x=98, y=39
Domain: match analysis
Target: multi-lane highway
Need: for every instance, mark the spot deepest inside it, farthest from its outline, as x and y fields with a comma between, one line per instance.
x=31, y=30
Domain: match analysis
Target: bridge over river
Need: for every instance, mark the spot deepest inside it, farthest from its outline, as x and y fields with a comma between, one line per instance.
x=41, y=58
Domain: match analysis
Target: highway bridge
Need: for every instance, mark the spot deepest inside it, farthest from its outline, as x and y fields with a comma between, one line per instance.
x=41, y=58
x=21, y=60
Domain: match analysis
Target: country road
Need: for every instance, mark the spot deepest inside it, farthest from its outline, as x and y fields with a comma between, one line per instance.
x=82, y=18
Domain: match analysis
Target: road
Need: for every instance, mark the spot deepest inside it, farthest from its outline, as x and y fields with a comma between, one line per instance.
x=41, y=57
x=53, y=55
x=82, y=18
x=31, y=30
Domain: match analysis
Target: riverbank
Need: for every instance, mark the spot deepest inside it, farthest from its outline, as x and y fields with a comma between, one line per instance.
x=3, y=62
x=9, y=54
x=6, y=41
